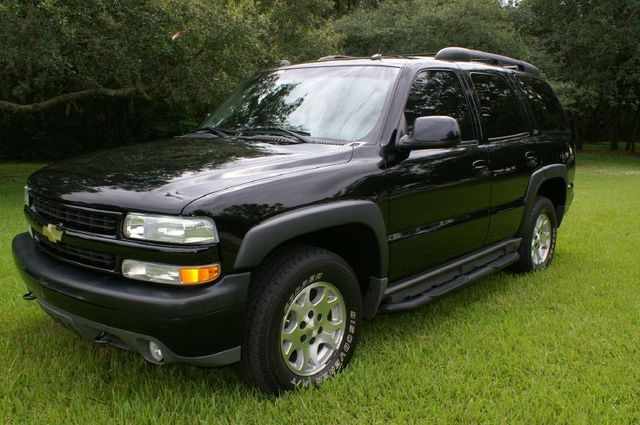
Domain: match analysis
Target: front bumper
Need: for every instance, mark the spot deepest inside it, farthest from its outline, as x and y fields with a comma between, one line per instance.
x=199, y=325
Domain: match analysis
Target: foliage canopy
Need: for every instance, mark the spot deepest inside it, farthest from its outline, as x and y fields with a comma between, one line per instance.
x=78, y=75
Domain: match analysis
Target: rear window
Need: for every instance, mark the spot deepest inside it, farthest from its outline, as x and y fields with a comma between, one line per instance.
x=499, y=109
x=544, y=104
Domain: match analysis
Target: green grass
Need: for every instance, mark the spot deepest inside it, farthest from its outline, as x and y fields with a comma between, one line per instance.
x=559, y=346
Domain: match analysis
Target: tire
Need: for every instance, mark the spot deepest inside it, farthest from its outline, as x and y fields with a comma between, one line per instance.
x=303, y=319
x=538, y=238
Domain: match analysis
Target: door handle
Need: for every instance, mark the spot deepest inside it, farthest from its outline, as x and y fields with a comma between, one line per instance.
x=480, y=167
x=531, y=158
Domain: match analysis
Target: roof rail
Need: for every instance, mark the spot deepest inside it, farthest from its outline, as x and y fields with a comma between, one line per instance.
x=333, y=58
x=414, y=55
x=467, y=55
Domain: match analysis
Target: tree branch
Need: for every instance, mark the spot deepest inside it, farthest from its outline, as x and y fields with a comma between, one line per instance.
x=103, y=92
x=46, y=104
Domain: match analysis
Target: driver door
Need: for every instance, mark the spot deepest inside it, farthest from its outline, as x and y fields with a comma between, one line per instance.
x=439, y=198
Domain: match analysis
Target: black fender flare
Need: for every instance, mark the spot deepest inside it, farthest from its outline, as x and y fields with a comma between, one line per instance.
x=536, y=180
x=266, y=236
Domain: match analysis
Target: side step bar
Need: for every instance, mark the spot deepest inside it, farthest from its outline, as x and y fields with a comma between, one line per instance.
x=509, y=256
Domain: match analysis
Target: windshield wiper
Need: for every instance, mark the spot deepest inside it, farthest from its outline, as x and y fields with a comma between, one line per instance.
x=286, y=131
x=220, y=132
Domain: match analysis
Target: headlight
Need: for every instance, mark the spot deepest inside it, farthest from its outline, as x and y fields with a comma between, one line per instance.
x=170, y=229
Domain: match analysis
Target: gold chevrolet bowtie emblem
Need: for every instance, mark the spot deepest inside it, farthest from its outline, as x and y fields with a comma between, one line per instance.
x=51, y=232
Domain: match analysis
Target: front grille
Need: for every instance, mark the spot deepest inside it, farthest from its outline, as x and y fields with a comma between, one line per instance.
x=74, y=218
x=77, y=255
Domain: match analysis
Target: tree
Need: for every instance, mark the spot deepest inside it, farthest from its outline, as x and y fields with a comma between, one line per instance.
x=426, y=26
x=57, y=52
x=77, y=75
x=594, y=59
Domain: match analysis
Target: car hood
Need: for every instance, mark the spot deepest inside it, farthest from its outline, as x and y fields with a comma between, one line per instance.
x=166, y=175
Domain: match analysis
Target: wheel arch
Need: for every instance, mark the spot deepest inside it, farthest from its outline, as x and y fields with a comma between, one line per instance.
x=309, y=223
x=551, y=182
x=353, y=229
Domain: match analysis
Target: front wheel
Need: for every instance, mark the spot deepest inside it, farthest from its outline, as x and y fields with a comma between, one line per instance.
x=303, y=319
x=538, y=237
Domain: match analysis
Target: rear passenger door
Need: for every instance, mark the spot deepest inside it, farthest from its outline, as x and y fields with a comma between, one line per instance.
x=513, y=150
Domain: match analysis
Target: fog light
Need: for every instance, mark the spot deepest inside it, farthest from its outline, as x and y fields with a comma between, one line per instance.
x=156, y=352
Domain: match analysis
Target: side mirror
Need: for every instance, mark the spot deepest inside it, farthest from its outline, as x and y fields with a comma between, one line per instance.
x=432, y=132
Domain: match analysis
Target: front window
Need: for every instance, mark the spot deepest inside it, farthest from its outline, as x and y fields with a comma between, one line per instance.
x=437, y=92
x=342, y=103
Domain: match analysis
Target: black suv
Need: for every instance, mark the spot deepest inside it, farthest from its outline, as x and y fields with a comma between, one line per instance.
x=315, y=197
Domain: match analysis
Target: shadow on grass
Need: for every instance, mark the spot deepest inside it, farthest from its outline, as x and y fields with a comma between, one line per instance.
x=44, y=342
x=438, y=313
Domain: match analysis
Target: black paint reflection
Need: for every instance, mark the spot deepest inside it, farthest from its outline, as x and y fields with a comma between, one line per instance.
x=143, y=167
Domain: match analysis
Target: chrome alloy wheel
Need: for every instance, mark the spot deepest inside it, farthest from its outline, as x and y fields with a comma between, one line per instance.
x=313, y=328
x=541, y=241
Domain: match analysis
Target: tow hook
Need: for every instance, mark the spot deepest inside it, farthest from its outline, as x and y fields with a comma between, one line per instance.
x=101, y=338
x=28, y=296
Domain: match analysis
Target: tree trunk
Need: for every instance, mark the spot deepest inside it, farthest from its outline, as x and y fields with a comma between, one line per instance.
x=577, y=132
x=615, y=130
x=633, y=134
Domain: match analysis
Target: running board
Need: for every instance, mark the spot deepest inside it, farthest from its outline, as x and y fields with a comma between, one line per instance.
x=507, y=255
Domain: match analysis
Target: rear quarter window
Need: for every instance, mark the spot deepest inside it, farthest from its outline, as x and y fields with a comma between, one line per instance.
x=547, y=111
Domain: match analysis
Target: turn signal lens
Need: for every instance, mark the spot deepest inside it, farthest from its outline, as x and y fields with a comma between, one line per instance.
x=197, y=275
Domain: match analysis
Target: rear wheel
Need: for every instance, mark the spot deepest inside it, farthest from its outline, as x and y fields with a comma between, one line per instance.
x=538, y=237
x=303, y=319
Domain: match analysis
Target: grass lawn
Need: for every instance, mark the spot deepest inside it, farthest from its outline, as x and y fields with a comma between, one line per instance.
x=559, y=346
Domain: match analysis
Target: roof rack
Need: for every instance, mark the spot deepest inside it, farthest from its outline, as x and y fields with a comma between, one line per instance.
x=333, y=58
x=412, y=55
x=467, y=55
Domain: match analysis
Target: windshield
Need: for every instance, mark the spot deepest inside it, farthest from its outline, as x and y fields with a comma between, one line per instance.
x=325, y=102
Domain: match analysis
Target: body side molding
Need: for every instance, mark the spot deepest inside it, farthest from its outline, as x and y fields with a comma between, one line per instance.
x=266, y=236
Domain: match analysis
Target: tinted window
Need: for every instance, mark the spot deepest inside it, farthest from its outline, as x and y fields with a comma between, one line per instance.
x=439, y=93
x=544, y=104
x=499, y=109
